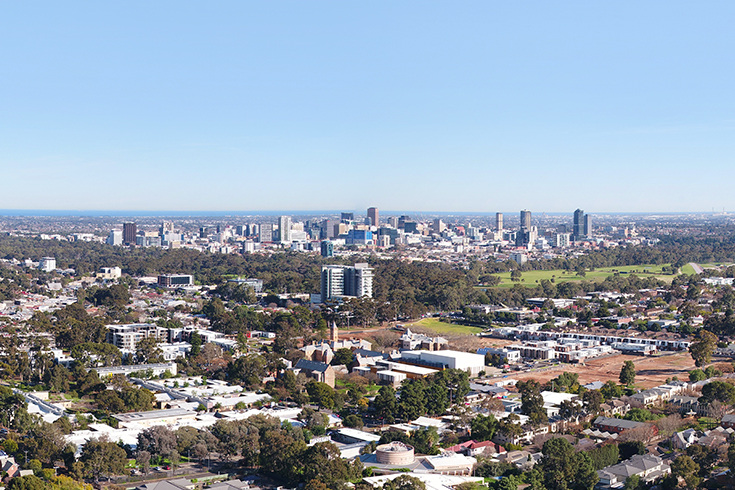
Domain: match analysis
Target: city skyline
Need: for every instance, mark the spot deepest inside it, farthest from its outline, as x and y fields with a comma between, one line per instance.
x=174, y=106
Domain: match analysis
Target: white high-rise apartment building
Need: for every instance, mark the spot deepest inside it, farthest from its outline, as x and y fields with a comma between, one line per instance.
x=115, y=238
x=47, y=264
x=284, y=229
x=333, y=281
x=340, y=280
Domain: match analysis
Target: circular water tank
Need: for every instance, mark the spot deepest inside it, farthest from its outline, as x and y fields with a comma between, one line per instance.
x=394, y=453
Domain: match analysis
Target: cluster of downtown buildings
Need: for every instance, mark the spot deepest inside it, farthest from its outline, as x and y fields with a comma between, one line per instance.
x=328, y=236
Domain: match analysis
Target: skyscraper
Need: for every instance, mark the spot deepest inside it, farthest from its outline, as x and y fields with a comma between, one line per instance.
x=327, y=249
x=523, y=237
x=265, y=234
x=438, y=226
x=284, y=229
x=130, y=232
x=587, y=225
x=499, y=221
x=167, y=227
x=348, y=217
x=373, y=215
x=526, y=219
x=578, y=227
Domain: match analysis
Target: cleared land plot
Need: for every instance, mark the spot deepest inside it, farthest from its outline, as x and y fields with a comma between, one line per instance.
x=446, y=328
x=532, y=278
x=650, y=371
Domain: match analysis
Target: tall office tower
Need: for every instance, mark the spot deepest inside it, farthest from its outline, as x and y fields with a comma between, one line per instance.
x=438, y=226
x=402, y=220
x=523, y=237
x=393, y=221
x=578, y=228
x=265, y=234
x=284, y=229
x=587, y=225
x=242, y=230
x=130, y=232
x=115, y=237
x=340, y=280
x=327, y=249
x=167, y=227
x=219, y=228
x=203, y=232
x=526, y=219
x=373, y=215
x=499, y=221
x=348, y=217
x=328, y=228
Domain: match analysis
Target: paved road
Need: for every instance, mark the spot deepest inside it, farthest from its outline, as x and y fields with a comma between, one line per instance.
x=696, y=267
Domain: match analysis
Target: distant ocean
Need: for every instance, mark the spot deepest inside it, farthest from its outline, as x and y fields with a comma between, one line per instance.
x=129, y=213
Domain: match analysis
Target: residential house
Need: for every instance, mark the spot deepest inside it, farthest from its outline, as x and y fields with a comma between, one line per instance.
x=615, y=407
x=647, y=467
x=684, y=439
x=728, y=421
x=616, y=425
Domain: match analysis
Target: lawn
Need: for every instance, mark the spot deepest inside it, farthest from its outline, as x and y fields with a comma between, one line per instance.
x=446, y=328
x=532, y=278
x=688, y=270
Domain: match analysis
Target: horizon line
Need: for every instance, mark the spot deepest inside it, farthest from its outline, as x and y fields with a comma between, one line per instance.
x=263, y=212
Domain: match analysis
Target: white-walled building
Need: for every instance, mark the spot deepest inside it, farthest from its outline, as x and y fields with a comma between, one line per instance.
x=47, y=264
x=446, y=359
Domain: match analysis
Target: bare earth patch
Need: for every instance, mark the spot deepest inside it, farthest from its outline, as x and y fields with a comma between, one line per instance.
x=650, y=371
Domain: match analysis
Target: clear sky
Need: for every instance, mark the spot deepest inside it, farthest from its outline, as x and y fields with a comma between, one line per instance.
x=432, y=106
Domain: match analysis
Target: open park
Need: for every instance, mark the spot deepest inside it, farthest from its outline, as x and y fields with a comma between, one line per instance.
x=533, y=278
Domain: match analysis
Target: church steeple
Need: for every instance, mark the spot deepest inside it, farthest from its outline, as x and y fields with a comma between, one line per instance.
x=333, y=333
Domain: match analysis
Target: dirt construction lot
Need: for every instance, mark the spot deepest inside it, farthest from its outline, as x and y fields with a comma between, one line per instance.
x=650, y=371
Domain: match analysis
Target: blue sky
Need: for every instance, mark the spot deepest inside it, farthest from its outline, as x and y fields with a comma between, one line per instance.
x=433, y=106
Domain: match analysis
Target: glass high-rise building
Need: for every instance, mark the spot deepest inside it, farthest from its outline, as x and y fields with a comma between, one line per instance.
x=130, y=233
x=372, y=213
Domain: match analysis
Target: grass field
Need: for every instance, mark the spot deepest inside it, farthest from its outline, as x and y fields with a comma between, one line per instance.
x=688, y=270
x=532, y=278
x=446, y=328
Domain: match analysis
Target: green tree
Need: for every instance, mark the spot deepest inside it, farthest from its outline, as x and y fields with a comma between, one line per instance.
x=720, y=391
x=604, y=456
x=196, y=344
x=321, y=394
x=703, y=347
x=628, y=449
x=627, y=373
x=564, y=468
x=483, y=427
x=385, y=403
x=532, y=403
x=411, y=404
x=147, y=351
x=632, y=483
x=404, y=482
x=610, y=390
x=684, y=467
x=593, y=399
x=103, y=458
x=697, y=375
x=342, y=356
